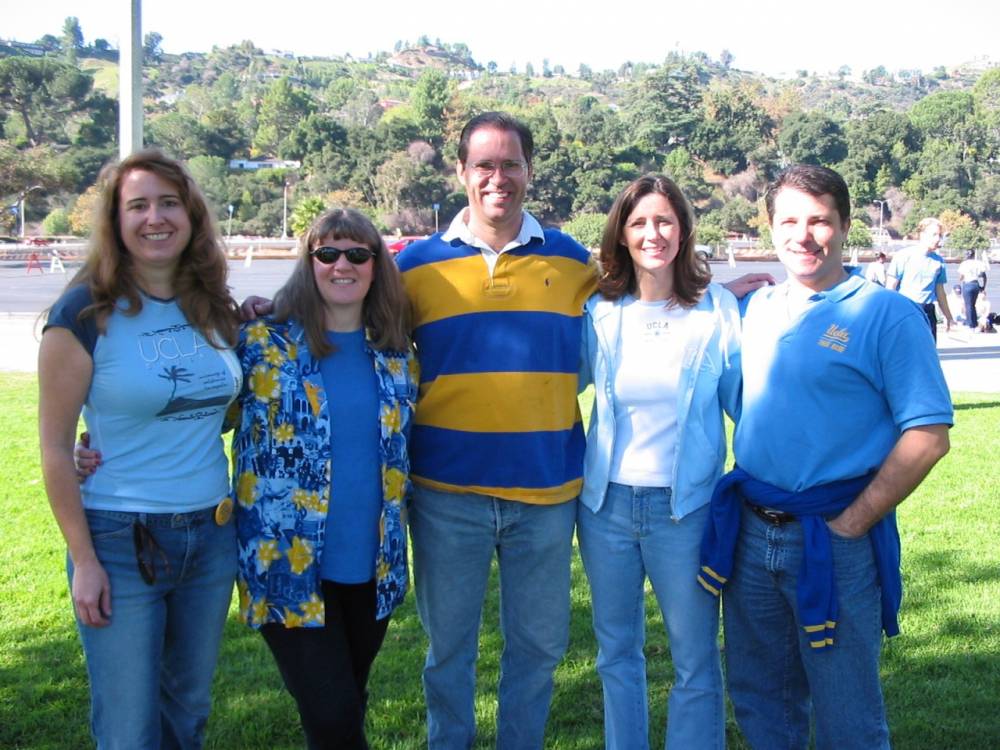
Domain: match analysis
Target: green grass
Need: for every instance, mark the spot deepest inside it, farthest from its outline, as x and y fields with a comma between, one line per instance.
x=941, y=675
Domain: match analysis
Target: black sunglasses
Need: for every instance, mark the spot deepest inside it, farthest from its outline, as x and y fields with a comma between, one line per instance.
x=330, y=255
x=146, y=547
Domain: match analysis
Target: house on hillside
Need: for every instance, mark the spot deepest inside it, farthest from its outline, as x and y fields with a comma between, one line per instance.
x=252, y=165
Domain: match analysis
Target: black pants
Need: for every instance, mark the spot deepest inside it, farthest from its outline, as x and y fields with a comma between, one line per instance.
x=970, y=291
x=326, y=669
x=931, y=314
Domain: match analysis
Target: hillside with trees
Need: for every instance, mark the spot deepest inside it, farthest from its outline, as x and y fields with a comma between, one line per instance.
x=380, y=134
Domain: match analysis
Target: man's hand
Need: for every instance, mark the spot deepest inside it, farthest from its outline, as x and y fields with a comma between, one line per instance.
x=913, y=456
x=86, y=459
x=749, y=282
x=254, y=307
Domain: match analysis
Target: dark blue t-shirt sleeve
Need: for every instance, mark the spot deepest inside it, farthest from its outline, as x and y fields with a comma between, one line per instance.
x=65, y=313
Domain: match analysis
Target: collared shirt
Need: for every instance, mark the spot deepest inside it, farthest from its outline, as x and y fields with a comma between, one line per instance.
x=829, y=388
x=459, y=229
x=918, y=273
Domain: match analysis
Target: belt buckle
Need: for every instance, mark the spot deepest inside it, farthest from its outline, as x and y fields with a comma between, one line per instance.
x=224, y=511
x=773, y=517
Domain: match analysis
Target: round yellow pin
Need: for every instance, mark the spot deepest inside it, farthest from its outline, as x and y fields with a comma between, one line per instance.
x=224, y=511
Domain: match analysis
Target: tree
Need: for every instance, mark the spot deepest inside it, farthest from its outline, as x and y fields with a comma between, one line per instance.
x=733, y=125
x=969, y=236
x=736, y=214
x=151, y=46
x=45, y=94
x=429, y=99
x=859, y=235
x=812, y=138
x=72, y=39
x=81, y=215
x=529, y=70
x=407, y=181
x=305, y=213
x=281, y=109
x=586, y=228
x=56, y=223
x=663, y=107
x=177, y=134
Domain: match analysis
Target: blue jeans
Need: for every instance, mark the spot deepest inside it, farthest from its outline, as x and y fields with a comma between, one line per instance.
x=455, y=537
x=630, y=538
x=151, y=669
x=774, y=676
x=970, y=291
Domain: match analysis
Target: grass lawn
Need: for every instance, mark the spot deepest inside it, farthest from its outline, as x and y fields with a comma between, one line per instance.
x=942, y=675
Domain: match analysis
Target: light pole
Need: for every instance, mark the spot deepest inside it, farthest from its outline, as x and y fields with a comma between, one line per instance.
x=229, y=225
x=20, y=209
x=881, y=237
x=284, y=214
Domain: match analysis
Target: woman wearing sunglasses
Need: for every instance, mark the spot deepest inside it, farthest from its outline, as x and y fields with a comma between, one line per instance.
x=322, y=471
x=140, y=342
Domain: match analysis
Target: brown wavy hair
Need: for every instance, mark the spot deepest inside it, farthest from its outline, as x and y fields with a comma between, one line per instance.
x=199, y=283
x=691, y=272
x=384, y=312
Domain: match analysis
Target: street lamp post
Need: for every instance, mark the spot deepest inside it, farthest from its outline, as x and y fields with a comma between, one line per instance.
x=284, y=214
x=20, y=209
x=881, y=237
x=229, y=224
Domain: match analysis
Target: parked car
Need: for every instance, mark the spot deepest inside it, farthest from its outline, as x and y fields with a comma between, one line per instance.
x=397, y=245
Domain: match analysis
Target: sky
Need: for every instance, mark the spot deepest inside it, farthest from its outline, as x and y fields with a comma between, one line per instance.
x=775, y=37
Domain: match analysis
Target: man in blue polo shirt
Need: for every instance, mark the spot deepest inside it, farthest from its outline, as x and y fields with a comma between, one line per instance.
x=919, y=274
x=845, y=411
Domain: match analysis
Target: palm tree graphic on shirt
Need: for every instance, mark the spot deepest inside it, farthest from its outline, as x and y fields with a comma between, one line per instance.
x=177, y=404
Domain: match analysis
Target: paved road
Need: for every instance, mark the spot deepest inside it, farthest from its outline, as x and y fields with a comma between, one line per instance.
x=971, y=361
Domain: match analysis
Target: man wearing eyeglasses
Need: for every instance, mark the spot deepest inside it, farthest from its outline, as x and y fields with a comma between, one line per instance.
x=497, y=445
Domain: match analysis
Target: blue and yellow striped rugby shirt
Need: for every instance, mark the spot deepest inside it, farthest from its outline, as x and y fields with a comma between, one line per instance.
x=499, y=355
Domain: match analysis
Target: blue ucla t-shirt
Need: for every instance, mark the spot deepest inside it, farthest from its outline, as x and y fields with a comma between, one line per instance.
x=155, y=407
x=351, y=539
x=831, y=380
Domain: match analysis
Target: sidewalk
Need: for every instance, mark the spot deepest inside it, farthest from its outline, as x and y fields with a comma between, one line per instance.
x=971, y=361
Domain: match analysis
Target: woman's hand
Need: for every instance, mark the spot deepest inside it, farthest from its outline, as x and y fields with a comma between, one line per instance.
x=749, y=282
x=91, y=591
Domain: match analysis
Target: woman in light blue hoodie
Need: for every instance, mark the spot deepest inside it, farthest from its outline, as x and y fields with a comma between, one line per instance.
x=662, y=348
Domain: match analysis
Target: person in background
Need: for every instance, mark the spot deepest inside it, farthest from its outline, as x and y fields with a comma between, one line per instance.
x=141, y=342
x=972, y=274
x=918, y=273
x=322, y=470
x=662, y=347
x=875, y=272
x=955, y=302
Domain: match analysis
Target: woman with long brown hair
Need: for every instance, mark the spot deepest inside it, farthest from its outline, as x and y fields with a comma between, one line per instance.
x=140, y=343
x=322, y=471
x=662, y=347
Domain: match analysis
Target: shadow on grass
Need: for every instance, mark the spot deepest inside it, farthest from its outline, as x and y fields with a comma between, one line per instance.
x=965, y=710
x=43, y=684
x=979, y=405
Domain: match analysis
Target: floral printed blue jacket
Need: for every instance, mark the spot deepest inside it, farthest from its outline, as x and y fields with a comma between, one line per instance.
x=281, y=450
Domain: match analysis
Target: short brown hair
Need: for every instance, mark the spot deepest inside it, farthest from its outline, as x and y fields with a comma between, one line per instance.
x=691, y=272
x=385, y=311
